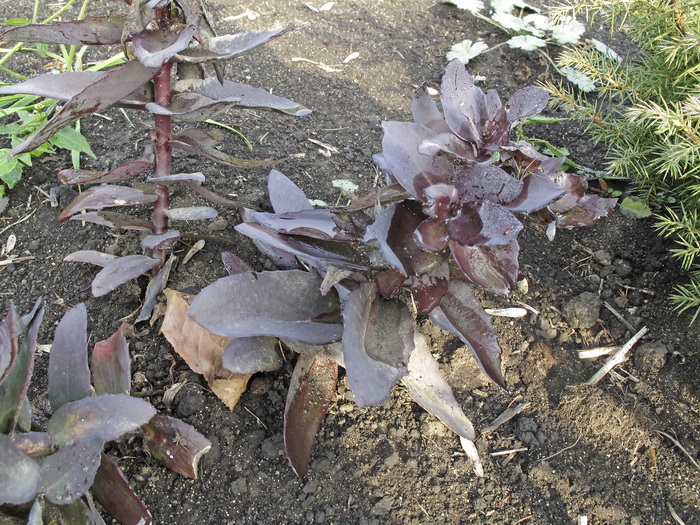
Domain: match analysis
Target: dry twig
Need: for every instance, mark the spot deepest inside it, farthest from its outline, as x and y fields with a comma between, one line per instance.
x=618, y=358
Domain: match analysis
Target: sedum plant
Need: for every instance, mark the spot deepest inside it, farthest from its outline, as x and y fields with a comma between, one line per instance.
x=447, y=221
x=167, y=43
x=51, y=470
x=648, y=114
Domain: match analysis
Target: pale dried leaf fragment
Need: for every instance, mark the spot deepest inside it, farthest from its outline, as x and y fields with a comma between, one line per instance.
x=201, y=350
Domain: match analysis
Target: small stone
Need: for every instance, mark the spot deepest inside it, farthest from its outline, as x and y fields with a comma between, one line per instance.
x=299, y=135
x=651, y=357
x=603, y=257
x=189, y=404
x=310, y=487
x=392, y=460
x=217, y=225
x=383, y=506
x=582, y=311
x=239, y=486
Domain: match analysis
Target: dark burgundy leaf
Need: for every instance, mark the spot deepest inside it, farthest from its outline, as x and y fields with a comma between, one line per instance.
x=449, y=143
x=91, y=31
x=483, y=224
x=106, y=417
x=120, y=271
x=461, y=314
x=493, y=268
x=91, y=257
x=193, y=213
x=61, y=86
x=377, y=342
x=285, y=196
x=311, y=390
x=192, y=107
x=69, y=375
x=111, y=364
x=428, y=388
x=21, y=475
x=176, y=444
x=228, y=46
x=441, y=201
x=429, y=288
x=68, y=473
x=164, y=241
x=589, y=210
x=464, y=103
x=426, y=112
x=112, y=490
x=487, y=182
x=154, y=47
x=538, y=191
x=400, y=158
x=114, y=85
x=189, y=144
x=115, y=220
x=575, y=187
x=281, y=304
x=526, y=102
x=388, y=282
x=248, y=355
x=431, y=235
x=126, y=171
x=105, y=196
x=349, y=255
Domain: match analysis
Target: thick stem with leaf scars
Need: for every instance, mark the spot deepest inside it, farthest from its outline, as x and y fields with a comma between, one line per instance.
x=163, y=123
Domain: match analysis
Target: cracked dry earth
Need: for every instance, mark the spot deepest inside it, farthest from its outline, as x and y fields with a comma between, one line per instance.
x=573, y=451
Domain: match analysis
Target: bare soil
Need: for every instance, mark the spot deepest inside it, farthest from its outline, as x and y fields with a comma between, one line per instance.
x=580, y=451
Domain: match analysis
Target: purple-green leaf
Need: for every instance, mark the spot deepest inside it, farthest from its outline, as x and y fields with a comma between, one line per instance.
x=461, y=314
x=20, y=475
x=111, y=364
x=91, y=257
x=281, y=304
x=176, y=444
x=154, y=47
x=90, y=31
x=68, y=473
x=228, y=46
x=493, y=268
x=538, y=191
x=125, y=171
x=154, y=289
x=318, y=224
x=285, y=196
x=377, y=342
x=61, y=86
x=106, y=417
x=112, y=490
x=311, y=390
x=589, y=210
x=115, y=220
x=428, y=388
x=193, y=213
x=248, y=355
x=69, y=375
x=106, y=196
x=192, y=145
x=120, y=271
x=164, y=241
x=116, y=84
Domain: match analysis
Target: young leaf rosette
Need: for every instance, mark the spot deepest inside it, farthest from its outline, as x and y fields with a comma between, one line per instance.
x=447, y=220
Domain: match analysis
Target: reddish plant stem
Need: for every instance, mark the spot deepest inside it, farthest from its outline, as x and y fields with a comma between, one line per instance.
x=163, y=97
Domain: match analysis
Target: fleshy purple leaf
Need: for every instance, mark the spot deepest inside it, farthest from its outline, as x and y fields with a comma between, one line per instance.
x=105, y=196
x=107, y=90
x=59, y=86
x=91, y=31
x=20, y=475
x=111, y=364
x=281, y=304
x=464, y=103
x=461, y=314
x=377, y=342
x=400, y=158
x=483, y=223
x=164, y=241
x=193, y=213
x=69, y=375
x=311, y=390
x=115, y=220
x=431, y=235
x=126, y=171
x=441, y=201
x=69, y=472
x=154, y=289
x=234, y=264
x=91, y=257
x=228, y=46
x=448, y=143
x=112, y=490
x=120, y=271
x=493, y=268
x=248, y=355
x=155, y=47
x=318, y=224
x=33, y=443
x=192, y=145
x=526, y=102
x=176, y=444
x=106, y=417
x=429, y=288
x=285, y=196
x=428, y=388
x=575, y=187
x=178, y=177
x=426, y=112
x=487, y=182
x=538, y=191
x=589, y=210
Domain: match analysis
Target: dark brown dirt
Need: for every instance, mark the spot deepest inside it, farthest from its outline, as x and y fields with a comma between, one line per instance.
x=592, y=451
